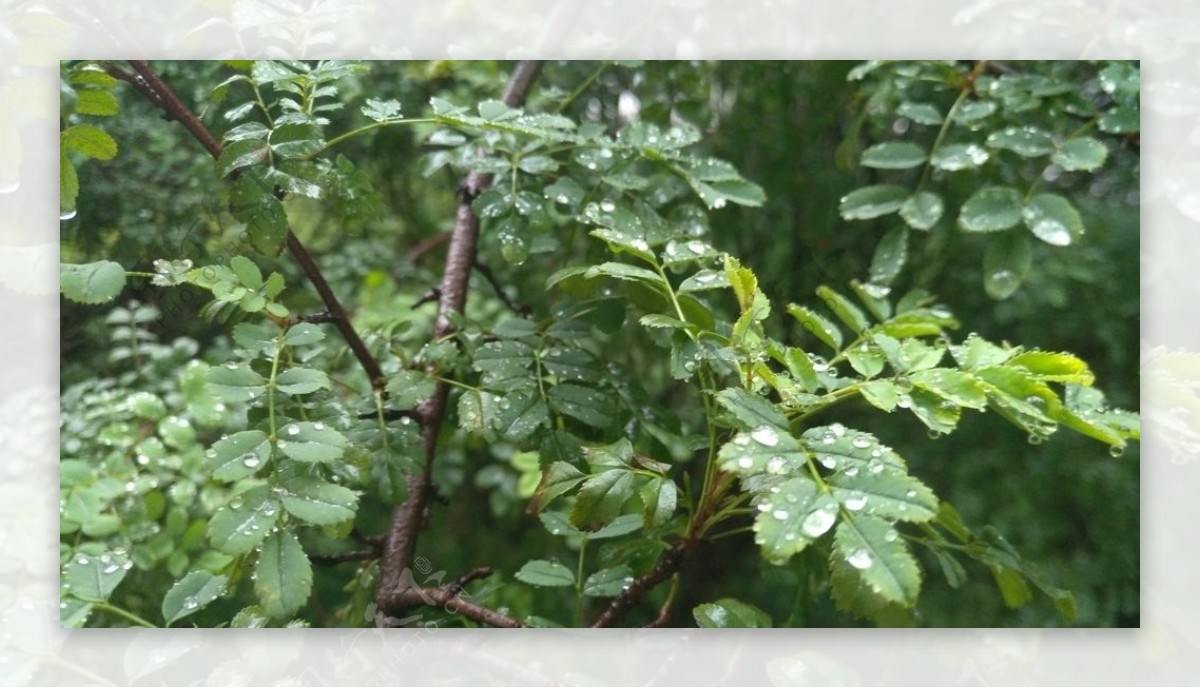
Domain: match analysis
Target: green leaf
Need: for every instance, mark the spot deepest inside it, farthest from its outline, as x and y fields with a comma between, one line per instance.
x=407, y=388
x=545, y=574
x=837, y=447
x=795, y=513
x=232, y=382
x=991, y=209
x=716, y=194
x=315, y=501
x=283, y=577
x=568, y=363
x=939, y=415
x=494, y=110
x=660, y=498
x=252, y=202
x=1053, y=219
x=242, y=153
x=623, y=271
x=311, y=442
x=882, y=394
x=477, y=411
x=68, y=185
x=1013, y=589
x=192, y=593
x=558, y=478
x=751, y=410
x=601, y=498
x=959, y=156
x=974, y=110
x=92, y=577
x=621, y=525
x=730, y=613
x=872, y=201
x=866, y=359
x=844, y=309
x=762, y=450
x=608, y=582
x=295, y=139
x=301, y=381
x=1054, y=366
x=1082, y=154
x=818, y=325
x=893, y=155
x=504, y=362
x=520, y=414
x=705, y=279
x=91, y=282
x=922, y=210
x=588, y=405
x=246, y=271
x=239, y=455
x=380, y=110
x=1006, y=263
x=921, y=113
x=888, y=493
x=89, y=140
x=95, y=102
x=872, y=547
x=73, y=613
x=1123, y=119
x=244, y=521
x=1027, y=141
x=952, y=385
x=977, y=352
x=302, y=334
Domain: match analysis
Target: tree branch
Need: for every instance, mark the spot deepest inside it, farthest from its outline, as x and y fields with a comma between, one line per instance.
x=149, y=83
x=666, y=567
x=408, y=518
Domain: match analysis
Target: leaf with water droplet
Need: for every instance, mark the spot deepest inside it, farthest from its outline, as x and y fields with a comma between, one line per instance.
x=309, y=443
x=1082, y=154
x=885, y=566
x=872, y=201
x=751, y=410
x=608, y=582
x=192, y=593
x=893, y=155
x=93, y=578
x=952, y=385
x=959, y=156
x=730, y=613
x=795, y=515
x=91, y=283
x=602, y=496
x=315, y=501
x=890, y=256
x=1006, y=262
x=921, y=113
x=991, y=209
x=888, y=493
x=844, y=451
x=1053, y=219
x=240, y=525
x=1027, y=141
x=544, y=573
x=520, y=414
x=229, y=455
x=749, y=453
x=283, y=576
x=818, y=325
x=591, y=406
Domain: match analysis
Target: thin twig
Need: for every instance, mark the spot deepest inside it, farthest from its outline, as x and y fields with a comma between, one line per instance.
x=343, y=557
x=668, y=564
x=499, y=289
x=147, y=81
x=408, y=517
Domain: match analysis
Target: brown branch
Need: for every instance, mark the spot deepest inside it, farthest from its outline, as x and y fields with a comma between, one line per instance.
x=419, y=249
x=668, y=564
x=499, y=289
x=343, y=557
x=408, y=518
x=148, y=82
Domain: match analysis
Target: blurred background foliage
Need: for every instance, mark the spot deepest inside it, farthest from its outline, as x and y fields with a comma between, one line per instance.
x=795, y=128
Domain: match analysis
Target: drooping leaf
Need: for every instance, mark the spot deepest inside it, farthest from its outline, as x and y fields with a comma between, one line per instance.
x=991, y=209
x=1006, y=263
x=239, y=455
x=601, y=498
x=233, y=382
x=91, y=282
x=838, y=447
x=1053, y=219
x=872, y=201
x=301, y=381
x=818, y=325
x=960, y=156
x=283, y=577
x=1027, y=141
x=1084, y=154
x=94, y=577
x=238, y=526
x=89, y=140
x=885, y=492
x=751, y=410
x=608, y=582
x=893, y=155
x=873, y=547
x=765, y=449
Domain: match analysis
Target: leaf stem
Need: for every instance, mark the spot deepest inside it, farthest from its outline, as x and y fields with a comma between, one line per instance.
x=364, y=129
x=127, y=615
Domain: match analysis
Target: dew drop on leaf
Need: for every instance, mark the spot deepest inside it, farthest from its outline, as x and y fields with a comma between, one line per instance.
x=765, y=436
x=818, y=523
x=860, y=559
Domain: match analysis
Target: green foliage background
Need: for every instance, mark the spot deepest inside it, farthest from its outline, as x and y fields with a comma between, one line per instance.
x=799, y=131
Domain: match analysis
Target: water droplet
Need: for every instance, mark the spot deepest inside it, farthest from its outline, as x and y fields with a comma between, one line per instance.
x=860, y=559
x=828, y=438
x=1116, y=451
x=777, y=465
x=780, y=514
x=718, y=203
x=292, y=429
x=235, y=503
x=250, y=461
x=765, y=436
x=904, y=401
x=934, y=434
x=696, y=247
x=891, y=535
x=851, y=471
x=111, y=569
x=818, y=522
x=910, y=494
x=318, y=426
x=828, y=460
x=83, y=560
x=67, y=215
x=838, y=429
x=607, y=206
x=764, y=507
x=606, y=153
x=1035, y=438
x=745, y=462
x=855, y=502
x=861, y=442
x=281, y=443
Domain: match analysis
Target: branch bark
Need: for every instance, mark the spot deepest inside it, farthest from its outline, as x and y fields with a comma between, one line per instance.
x=408, y=518
x=150, y=84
